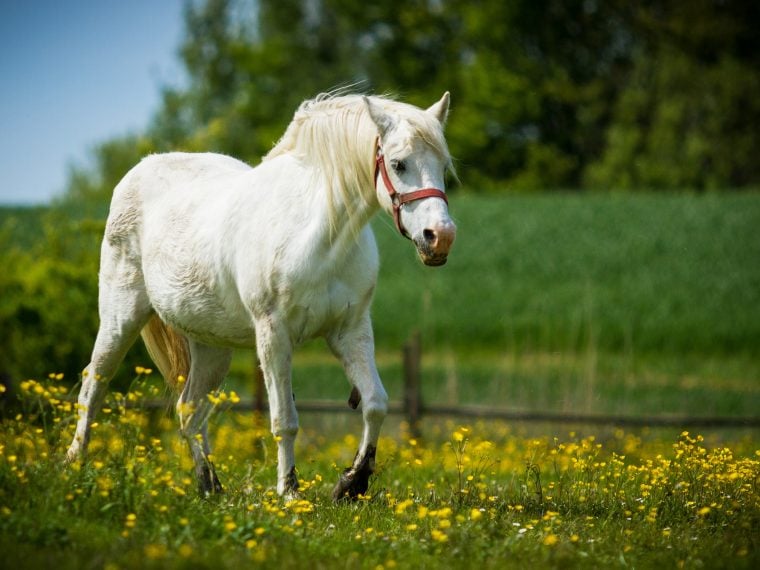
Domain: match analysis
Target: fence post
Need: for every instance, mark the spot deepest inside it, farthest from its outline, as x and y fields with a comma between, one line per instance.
x=412, y=385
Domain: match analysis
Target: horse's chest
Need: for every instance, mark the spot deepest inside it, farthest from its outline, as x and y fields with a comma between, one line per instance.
x=321, y=309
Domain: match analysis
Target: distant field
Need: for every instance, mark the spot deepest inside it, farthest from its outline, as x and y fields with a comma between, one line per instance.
x=661, y=273
x=656, y=273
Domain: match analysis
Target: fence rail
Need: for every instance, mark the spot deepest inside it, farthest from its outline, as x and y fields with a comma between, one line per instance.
x=413, y=408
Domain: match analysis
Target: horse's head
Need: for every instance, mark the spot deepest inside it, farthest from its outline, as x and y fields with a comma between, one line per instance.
x=412, y=158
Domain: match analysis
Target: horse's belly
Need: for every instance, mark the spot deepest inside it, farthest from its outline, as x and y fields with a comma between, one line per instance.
x=200, y=308
x=209, y=328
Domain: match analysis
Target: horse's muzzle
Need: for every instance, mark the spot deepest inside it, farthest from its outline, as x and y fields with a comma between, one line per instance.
x=434, y=244
x=433, y=260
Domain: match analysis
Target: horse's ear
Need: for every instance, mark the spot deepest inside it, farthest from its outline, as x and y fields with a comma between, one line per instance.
x=382, y=119
x=440, y=110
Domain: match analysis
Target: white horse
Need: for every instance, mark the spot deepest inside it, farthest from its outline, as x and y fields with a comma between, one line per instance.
x=203, y=253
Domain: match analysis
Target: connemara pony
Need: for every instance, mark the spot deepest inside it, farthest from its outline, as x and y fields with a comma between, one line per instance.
x=203, y=253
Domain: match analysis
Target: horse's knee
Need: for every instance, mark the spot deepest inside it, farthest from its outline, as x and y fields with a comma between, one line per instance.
x=285, y=431
x=376, y=408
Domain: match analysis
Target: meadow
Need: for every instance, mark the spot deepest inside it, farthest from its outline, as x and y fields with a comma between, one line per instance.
x=626, y=304
x=483, y=495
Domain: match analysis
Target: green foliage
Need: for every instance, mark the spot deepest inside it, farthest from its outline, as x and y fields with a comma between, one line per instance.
x=48, y=305
x=546, y=94
x=47, y=309
x=682, y=140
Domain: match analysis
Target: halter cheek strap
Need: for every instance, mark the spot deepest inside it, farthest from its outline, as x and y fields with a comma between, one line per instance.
x=397, y=199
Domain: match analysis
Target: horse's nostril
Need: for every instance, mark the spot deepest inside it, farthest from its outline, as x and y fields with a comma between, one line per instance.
x=429, y=235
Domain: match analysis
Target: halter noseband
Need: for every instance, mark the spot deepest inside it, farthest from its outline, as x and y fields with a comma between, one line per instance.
x=397, y=199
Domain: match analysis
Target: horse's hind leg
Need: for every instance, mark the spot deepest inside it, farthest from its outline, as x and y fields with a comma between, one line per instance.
x=124, y=309
x=208, y=367
x=357, y=353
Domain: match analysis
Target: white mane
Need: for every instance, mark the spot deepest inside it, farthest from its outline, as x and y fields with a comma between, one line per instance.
x=336, y=135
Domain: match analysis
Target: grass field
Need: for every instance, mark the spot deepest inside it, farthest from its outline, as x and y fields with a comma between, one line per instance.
x=653, y=273
x=474, y=496
x=630, y=304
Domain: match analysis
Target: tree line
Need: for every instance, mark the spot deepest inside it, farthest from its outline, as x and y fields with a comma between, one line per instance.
x=547, y=94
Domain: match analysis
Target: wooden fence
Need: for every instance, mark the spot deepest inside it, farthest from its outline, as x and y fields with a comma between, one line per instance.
x=413, y=408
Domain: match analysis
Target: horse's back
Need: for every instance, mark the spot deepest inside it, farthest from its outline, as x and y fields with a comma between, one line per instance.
x=164, y=178
x=158, y=174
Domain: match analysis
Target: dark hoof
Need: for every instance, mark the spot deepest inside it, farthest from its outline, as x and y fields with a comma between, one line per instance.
x=208, y=482
x=291, y=484
x=354, y=399
x=354, y=481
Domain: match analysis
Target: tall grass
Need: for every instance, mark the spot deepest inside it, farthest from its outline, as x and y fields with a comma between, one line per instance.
x=645, y=272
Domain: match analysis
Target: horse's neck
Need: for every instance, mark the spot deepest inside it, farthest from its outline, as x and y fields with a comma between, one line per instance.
x=349, y=217
x=311, y=220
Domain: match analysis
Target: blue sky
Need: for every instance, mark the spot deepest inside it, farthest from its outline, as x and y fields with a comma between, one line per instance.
x=74, y=73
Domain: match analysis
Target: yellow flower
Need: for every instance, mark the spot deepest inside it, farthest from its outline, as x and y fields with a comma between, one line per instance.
x=185, y=551
x=551, y=540
x=155, y=551
x=403, y=505
x=475, y=514
x=131, y=520
x=438, y=536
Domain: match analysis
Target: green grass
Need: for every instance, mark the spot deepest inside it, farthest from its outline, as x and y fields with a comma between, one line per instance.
x=478, y=496
x=660, y=273
x=626, y=273
x=562, y=382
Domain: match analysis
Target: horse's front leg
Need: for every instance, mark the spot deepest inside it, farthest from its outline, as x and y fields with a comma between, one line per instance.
x=274, y=350
x=356, y=350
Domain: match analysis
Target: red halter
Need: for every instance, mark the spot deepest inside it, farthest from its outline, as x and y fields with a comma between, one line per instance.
x=399, y=199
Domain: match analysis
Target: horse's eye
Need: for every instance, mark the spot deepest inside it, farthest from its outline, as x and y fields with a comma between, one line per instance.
x=399, y=166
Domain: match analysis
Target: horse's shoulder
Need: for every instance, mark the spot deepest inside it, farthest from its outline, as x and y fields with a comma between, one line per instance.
x=364, y=256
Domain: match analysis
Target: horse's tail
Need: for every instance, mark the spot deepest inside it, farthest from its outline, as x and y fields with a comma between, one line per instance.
x=169, y=351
